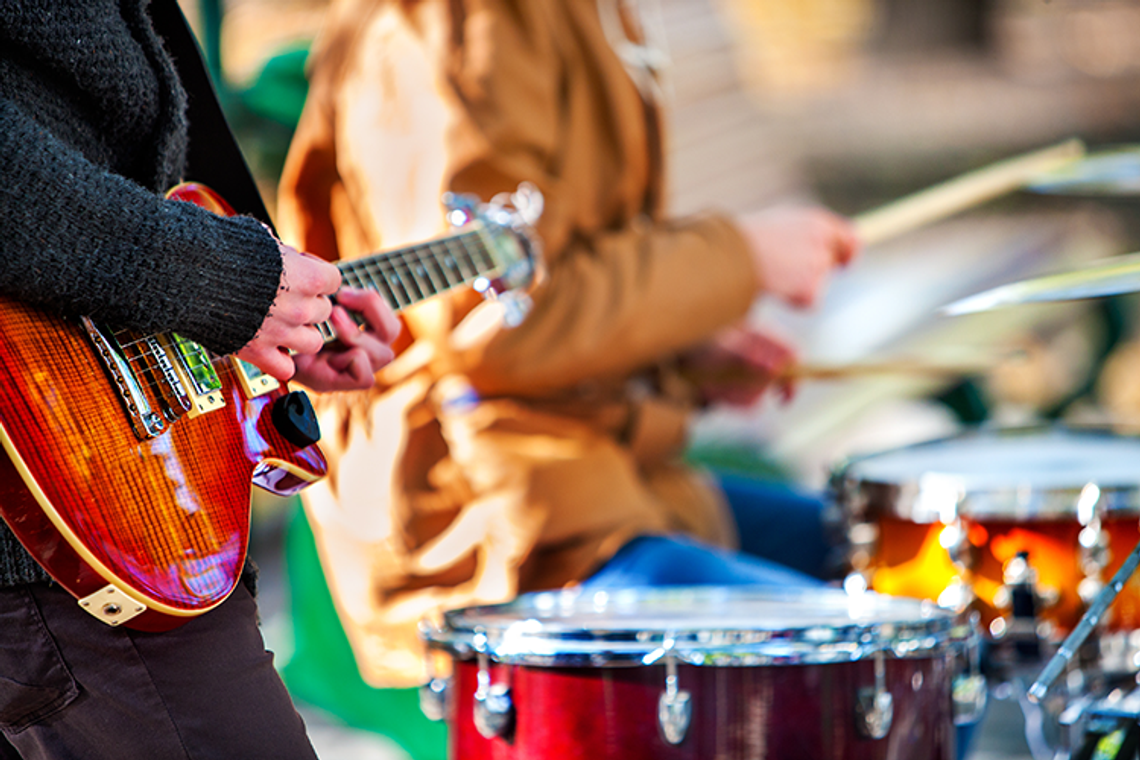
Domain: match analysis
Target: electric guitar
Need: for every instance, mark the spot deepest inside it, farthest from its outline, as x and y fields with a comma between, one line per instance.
x=127, y=459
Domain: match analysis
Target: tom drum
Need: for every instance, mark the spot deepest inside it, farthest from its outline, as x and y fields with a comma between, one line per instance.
x=705, y=672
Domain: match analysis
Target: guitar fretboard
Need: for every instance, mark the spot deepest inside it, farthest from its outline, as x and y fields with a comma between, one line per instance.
x=409, y=275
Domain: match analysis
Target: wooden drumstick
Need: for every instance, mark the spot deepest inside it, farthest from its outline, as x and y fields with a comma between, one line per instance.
x=960, y=193
x=863, y=369
x=838, y=371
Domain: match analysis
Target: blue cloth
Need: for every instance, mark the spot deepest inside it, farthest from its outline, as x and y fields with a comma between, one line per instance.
x=682, y=561
x=778, y=523
x=782, y=542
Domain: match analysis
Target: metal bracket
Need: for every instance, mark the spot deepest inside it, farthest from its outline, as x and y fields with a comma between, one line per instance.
x=111, y=605
x=874, y=708
x=433, y=699
x=494, y=712
x=675, y=707
x=146, y=422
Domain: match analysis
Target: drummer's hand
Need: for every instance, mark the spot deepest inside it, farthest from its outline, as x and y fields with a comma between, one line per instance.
x=351, y=362
x=738, y=365
x=795, y=249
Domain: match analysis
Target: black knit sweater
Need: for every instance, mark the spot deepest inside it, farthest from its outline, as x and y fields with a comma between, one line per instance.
x=92, y=130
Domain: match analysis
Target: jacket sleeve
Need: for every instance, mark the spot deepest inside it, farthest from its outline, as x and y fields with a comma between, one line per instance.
x=476, y=97
x=620, y=293
x=619, y=302
x=80, y=240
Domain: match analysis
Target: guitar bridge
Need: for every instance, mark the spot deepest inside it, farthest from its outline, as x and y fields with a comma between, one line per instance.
x=146, y=422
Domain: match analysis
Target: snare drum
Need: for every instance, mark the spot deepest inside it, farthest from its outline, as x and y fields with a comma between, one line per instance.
x=960, y=520
x=674, y=673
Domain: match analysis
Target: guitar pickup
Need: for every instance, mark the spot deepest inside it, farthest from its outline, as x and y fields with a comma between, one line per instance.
x=252, y=380
x=197, y=366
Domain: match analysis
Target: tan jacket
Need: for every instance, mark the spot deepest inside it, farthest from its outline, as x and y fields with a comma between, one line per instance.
x=438, y=501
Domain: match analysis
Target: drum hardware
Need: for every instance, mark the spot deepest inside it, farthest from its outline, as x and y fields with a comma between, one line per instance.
x=433, y=699
x=494, y=711
x=1094, y=558
x=875, y=708
x=641, y=674
x=674, y=708
x=1021, y=596
x=434, y=693
x=1112, y=726
x=959, y=592
x=945, y=520
x=1088, y=622
x=969, y=690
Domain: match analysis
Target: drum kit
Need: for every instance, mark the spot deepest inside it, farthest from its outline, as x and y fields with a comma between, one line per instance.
x=992, y=561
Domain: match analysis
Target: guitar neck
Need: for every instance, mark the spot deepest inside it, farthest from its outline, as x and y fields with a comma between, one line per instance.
x=406, y=276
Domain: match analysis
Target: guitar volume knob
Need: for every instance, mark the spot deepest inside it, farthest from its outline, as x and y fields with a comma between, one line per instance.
x=295, y=420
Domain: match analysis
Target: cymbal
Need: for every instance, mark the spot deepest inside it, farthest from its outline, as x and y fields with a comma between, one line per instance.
x=1114, y=171
x=1106, y=277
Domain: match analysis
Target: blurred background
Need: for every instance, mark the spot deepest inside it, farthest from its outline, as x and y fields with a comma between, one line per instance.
x=853, y=103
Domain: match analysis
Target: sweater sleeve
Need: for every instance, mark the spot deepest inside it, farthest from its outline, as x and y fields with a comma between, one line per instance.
x=80, y=240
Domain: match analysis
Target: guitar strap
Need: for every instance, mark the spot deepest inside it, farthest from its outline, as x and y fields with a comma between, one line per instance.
x=214, y=156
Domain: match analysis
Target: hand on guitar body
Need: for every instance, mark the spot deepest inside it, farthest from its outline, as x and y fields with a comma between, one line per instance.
x=288, y=345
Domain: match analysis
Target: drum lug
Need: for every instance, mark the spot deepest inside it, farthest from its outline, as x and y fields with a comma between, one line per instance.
x=874, y=713
x=433, y=698
x=495, y=713
x=968, y=689
x=969, y=696
x=494, y=710
x=675, y=707
x=875, y=707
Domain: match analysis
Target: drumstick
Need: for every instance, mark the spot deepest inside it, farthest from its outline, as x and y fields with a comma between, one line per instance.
x=1086, y=625
x=960, y=193
x=838, y=371
x=862, y=369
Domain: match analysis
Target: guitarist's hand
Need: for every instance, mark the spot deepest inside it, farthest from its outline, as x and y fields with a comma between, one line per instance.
x=351, y=363
x=302, y=301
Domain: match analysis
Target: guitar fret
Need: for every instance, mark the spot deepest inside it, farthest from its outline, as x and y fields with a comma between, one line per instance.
x=409, y=275
x=395, y=281
x=380, y=282
x=364, y=274
x=409, y=279
x=483, y=261
x=420, y=274
x=438, y=282
x=462, y=258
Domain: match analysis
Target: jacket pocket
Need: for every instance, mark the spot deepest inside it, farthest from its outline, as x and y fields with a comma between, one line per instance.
x=34, y=680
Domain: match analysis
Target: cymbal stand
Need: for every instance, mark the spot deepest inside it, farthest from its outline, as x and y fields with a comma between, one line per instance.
x=1081, y=631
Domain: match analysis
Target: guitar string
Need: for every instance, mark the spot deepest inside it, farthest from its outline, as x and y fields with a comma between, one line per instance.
x=479, y=262
x=387, y=266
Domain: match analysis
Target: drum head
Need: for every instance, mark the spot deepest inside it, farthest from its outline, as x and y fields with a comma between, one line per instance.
x=1012, y=474
x=726, y=626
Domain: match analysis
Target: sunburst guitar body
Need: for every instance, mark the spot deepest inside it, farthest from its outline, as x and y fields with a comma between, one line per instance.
x=128, y=459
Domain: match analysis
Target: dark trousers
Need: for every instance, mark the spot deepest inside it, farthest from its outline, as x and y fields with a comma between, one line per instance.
x=73, y=688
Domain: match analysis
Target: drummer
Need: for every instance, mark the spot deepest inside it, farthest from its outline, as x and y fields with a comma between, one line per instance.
x=547, y=454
